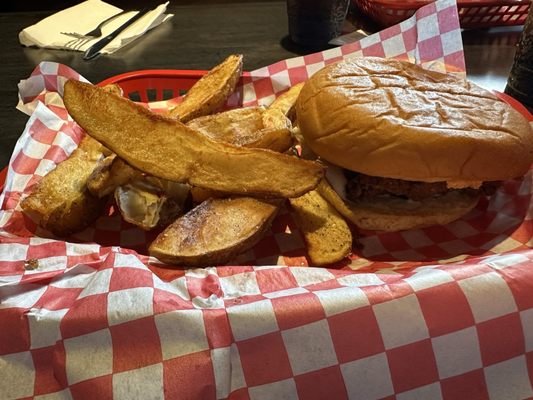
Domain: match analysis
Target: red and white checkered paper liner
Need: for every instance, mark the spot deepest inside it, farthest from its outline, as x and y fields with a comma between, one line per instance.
x=95, y=320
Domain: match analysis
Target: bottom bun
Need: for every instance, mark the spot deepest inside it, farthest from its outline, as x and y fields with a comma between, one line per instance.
x=393, y=214
x=387, y=213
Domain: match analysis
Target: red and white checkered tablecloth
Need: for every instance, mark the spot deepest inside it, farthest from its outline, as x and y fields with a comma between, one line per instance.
x=439, y=313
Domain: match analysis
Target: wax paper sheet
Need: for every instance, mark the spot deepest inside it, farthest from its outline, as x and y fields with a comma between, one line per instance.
x=440, y=313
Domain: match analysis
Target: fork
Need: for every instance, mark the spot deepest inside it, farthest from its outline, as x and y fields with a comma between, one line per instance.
x=80, y=39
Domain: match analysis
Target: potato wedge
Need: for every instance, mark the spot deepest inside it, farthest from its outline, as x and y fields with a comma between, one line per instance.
x=286, y=101
x=198, y=195
x=233, y=126
x=278, y=140
x=277, y=128
x=211, y=92
x=326, y=233
x=275, y=119
x=328, y=193
x=243, y=127
x=61, y=202
x=110, y=174
x=168, y=149
x=214, y=232
x=97, y=181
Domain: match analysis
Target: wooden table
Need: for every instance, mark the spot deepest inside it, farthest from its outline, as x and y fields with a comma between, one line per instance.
x=199, y=36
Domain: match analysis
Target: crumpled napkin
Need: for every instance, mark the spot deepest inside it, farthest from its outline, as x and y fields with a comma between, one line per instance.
x=84, y=17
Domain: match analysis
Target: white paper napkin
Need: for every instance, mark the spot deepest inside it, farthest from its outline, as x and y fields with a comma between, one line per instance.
x=84, y=17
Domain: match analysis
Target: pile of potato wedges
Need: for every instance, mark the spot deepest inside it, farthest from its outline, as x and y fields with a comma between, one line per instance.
x=213, y=180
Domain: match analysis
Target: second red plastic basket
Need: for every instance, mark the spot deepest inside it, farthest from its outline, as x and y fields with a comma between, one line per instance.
x=472, y=13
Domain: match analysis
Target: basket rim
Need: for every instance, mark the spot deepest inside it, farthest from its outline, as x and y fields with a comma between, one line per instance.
x=157, y=73
x=154, y=73
x=412, y=4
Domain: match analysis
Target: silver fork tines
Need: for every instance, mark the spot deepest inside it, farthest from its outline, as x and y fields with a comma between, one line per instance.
x=79, y=40
x=77, y=44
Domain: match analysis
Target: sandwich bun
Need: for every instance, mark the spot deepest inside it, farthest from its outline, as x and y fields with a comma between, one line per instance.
x=396, y=215
x=392, y=119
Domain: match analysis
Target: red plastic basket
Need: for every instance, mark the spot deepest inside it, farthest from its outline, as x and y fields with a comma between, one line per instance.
x=472, y=13
x=3, y=174
x=155, y=85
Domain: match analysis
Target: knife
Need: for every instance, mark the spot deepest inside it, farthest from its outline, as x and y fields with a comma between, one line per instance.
x=94, y=50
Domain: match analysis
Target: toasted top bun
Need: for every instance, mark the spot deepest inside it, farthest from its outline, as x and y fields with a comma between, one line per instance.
x=393, y=119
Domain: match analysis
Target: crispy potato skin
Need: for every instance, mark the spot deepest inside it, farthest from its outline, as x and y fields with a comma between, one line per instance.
x=331, y=196
x=285, y=102
x=168, y=149
x=244, y=127
x=326, y=233
x=211, y=92
x=214, y=232
x=61, y=202
x=113, y=88
x=110, y=174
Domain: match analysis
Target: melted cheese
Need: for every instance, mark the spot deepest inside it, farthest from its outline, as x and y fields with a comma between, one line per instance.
x=463, y=184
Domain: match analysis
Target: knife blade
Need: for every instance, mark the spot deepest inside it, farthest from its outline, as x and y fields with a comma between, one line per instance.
x=94, y=50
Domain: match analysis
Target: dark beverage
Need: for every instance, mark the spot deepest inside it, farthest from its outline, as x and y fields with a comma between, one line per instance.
x=315, y=22
x=520, y=82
